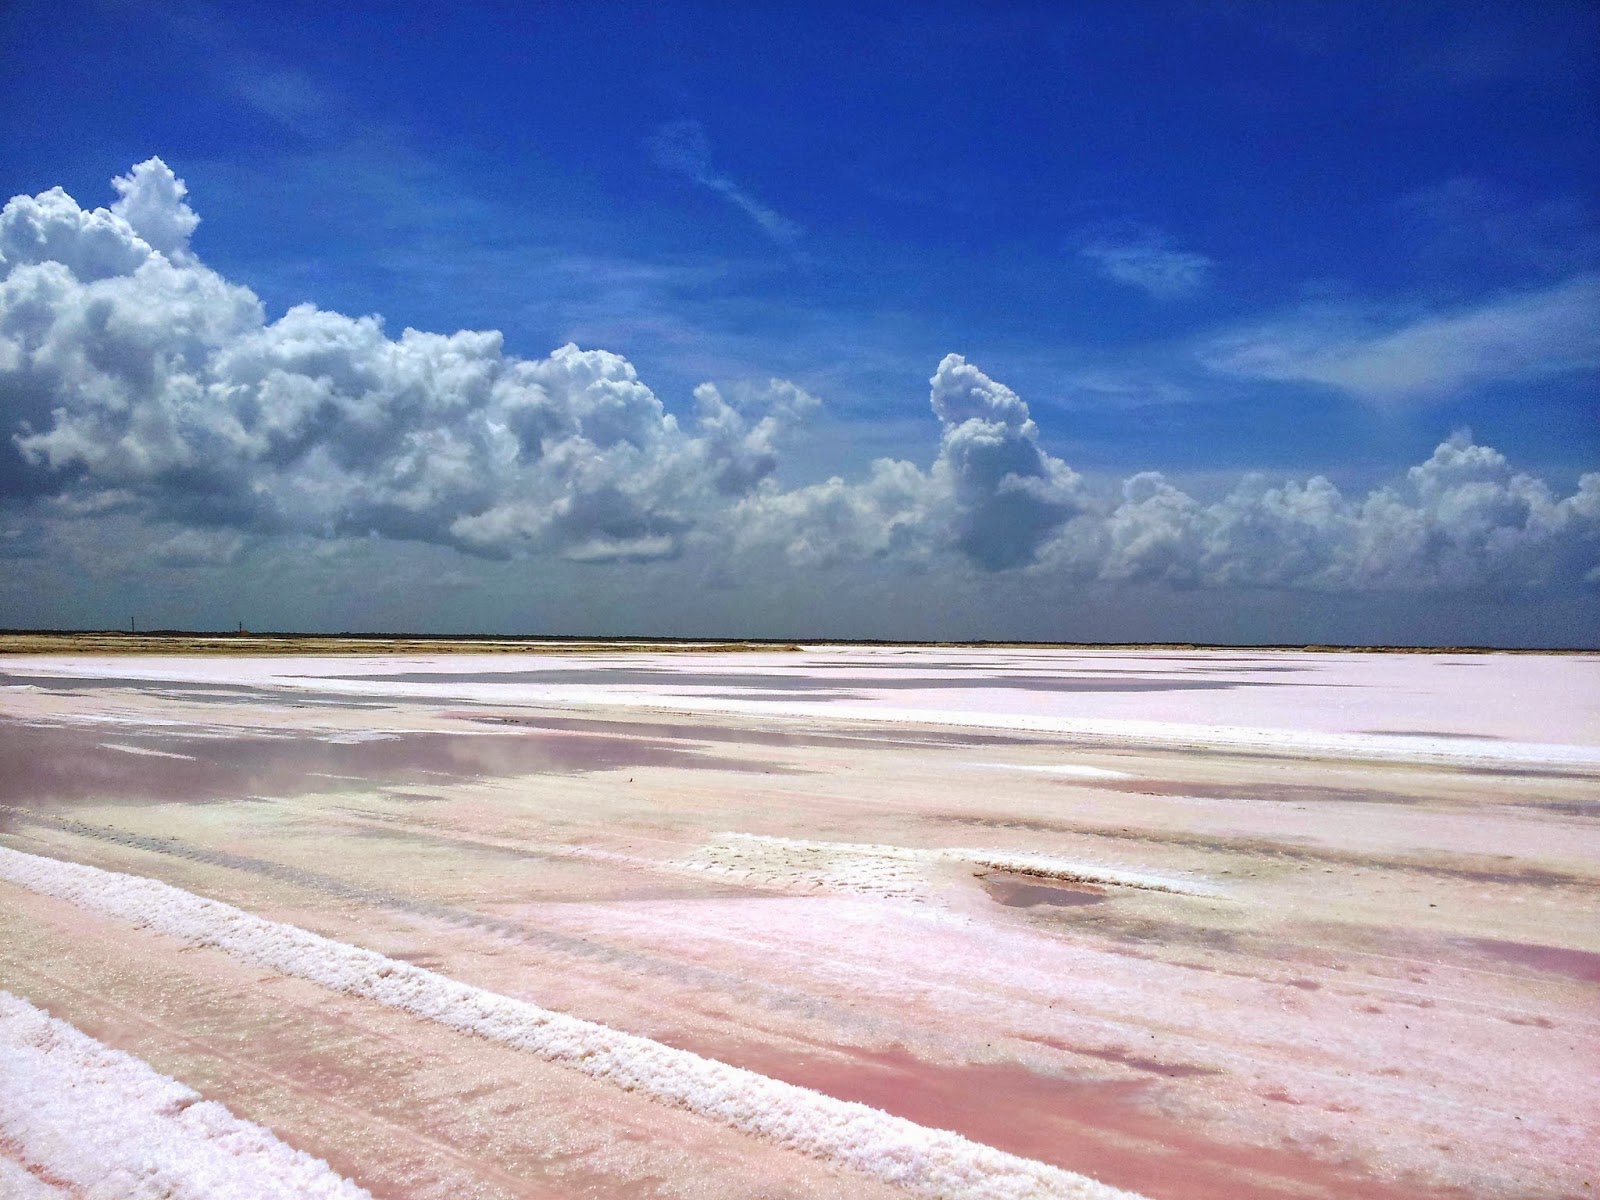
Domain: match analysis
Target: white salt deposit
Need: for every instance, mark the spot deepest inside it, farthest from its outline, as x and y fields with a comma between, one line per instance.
x=888, y=872
x=81, y=1116
x=145, y=751
x=1048, y=866
x=898, y=872
x=1065, y=770
x=926, y=1162
x=17, y=1182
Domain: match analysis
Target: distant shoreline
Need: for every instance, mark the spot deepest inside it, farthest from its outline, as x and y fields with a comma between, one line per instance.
x=187, y=642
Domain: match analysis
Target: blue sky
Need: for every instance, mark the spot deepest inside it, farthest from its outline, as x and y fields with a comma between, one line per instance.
x=1196, y=239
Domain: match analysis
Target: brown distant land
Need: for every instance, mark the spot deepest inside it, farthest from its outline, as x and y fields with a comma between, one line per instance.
x=185, y=642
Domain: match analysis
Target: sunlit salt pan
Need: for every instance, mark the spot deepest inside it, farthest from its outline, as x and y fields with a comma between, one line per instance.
x=926, y=1162
x=1066, y=770
x=105, y=1122
x=1364, y=706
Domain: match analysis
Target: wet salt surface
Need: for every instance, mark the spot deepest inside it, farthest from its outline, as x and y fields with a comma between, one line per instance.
x=1271, y=793
x=1106, y=1128
x=194, y=691
x=1116, y=697
x=808, y=684
x=68, y=764
x=709, y=732
x=1432, y=733
x=1138, y=1062
x=88, y=683
x=1581, y=965
x=1451, y=867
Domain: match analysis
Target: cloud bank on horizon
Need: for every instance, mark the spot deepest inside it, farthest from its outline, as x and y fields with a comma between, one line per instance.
x=136, y=380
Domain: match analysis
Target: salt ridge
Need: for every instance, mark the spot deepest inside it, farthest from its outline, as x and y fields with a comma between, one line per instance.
x=84, y=1115
x=927, y=1162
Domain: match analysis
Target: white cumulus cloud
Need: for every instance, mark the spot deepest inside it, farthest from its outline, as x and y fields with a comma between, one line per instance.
x=992, y=494
x=139, y=386
x=1462, y=520
x=129, y=368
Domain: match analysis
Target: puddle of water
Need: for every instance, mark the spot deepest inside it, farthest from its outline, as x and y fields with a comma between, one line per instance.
x=1582, y=965
x=72, y=764
x=1016, y=892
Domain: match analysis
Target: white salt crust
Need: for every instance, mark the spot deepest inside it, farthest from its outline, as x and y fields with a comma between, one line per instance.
x=83, y=1118
x=1065, y=770
x=898, y=872
x=1300, y=718
x=19, y=1183
x=145, y=751
x=926, y=1162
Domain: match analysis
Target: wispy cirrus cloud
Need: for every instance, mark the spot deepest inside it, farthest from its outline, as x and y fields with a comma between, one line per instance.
x=1523, y=335
x=682, y=147
x=1140, y=257
x=1483, y=227
x=284, y=94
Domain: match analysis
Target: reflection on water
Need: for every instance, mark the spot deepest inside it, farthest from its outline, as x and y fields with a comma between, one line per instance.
x=708, y=732
x=192, y=691
x=68, y=764
x=1026, y=892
